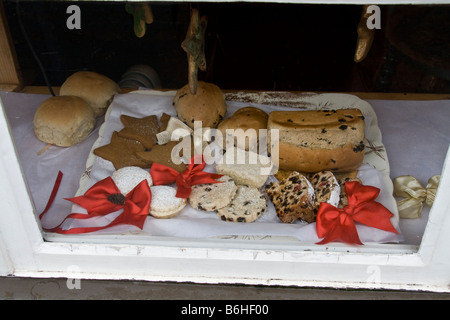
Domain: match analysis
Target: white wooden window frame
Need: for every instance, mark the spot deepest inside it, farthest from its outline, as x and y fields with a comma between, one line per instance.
x=25, y=250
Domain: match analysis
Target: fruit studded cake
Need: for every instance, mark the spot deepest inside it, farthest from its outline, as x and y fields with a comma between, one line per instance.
x=293, y=198
x=318, y=140
x=326, y=189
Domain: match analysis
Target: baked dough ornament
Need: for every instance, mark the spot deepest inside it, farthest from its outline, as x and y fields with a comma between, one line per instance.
x=198, y=100
x=142, y=15
x=194, y=45
x=365, y=35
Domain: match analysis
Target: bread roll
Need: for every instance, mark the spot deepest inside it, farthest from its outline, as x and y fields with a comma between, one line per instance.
x=98, y=90
x=313, y=141
x=63, y=121
x=244, y=118
x=207, y=105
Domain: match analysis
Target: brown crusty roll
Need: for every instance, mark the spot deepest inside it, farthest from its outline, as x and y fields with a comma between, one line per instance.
x=63, y=121
x=97, y=89
x=207, y=105
x=318, y=140
x=244, y=118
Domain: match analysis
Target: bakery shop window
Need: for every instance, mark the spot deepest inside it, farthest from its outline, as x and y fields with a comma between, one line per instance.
x=211, y=158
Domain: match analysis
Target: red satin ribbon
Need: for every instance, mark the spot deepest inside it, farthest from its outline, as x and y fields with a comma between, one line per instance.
x=53, y=194
x=339, y=224
x=184, y=180
x=97, y=202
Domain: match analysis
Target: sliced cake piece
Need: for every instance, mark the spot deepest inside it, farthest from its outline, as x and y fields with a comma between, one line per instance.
x=293, y=198
x=213, y=196
x=245, y=167
x=343, y=201
x=326, y=189
x=248, y=205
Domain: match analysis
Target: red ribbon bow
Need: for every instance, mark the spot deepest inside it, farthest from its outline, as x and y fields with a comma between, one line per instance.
x=184, y=180
x=334, y=224
x=103, y=198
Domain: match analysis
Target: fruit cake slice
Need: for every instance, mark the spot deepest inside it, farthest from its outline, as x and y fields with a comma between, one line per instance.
x=343, y=195
x=293, y=198
x=326, y=189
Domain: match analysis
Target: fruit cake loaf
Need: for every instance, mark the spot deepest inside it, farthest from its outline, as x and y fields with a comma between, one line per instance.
x=318, y=140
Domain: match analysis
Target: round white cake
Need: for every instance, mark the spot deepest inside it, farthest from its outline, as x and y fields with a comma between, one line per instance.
x=127, y=178
x=164, y=202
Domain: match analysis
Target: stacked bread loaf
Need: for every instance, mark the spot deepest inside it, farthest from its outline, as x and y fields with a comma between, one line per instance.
x=69, y=118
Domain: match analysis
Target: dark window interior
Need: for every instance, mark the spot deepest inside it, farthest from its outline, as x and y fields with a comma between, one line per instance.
x=248, y=46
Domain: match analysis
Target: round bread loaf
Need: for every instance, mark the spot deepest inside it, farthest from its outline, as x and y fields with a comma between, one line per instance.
x=207, y=105
x=244, y=119
x=63, y=121
x=98, y=90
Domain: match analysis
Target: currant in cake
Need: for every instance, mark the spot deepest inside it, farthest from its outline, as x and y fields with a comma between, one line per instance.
x=293, y=198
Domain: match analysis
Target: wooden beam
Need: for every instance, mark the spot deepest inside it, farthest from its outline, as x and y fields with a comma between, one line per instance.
x=10, y=77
